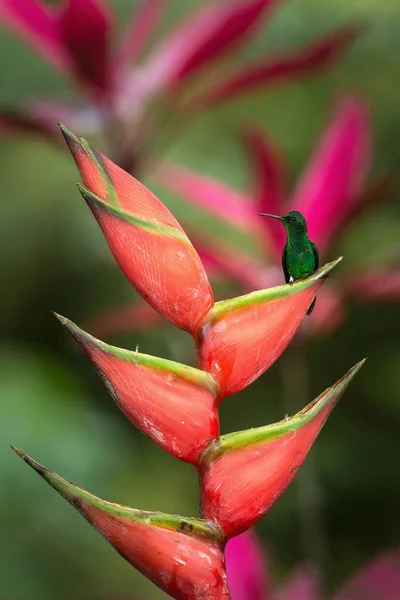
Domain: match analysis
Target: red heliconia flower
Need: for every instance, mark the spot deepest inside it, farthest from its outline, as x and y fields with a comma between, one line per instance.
x=330, y=195
x=76, y=37
x=244, y=473
x=158, y=259
x=241, y=474
x=183, y=556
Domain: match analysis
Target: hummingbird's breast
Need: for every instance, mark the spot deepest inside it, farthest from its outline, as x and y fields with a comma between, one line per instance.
x=300, y=262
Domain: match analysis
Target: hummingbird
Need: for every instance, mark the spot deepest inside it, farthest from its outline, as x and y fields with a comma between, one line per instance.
x=300, y=255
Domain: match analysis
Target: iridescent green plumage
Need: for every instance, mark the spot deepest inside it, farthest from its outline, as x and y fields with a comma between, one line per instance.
x=300, y=255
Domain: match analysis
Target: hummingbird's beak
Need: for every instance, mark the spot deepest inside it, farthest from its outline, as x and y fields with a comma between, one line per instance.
x=272, y=216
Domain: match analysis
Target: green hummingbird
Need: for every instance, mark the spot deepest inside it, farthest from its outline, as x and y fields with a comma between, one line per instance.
x=300, y=255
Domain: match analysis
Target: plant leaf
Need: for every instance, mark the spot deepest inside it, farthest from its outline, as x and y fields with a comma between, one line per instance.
x=335, y=175
x=205, y=36
x=37, y=23
x=85, y=28
x=139, y=30
x=277, y=69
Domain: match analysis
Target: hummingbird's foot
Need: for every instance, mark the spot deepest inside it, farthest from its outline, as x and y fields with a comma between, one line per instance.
x=291, y=280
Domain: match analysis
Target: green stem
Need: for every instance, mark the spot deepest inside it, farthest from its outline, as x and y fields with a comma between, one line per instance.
x=308, y=488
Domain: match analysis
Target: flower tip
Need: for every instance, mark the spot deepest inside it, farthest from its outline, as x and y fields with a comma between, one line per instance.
x=332, y=394
x=354, y=370
x=63, y=320
x=77, y=333
x=327, y=269
x=29, y=461
x=17, y=451
x=70, y=138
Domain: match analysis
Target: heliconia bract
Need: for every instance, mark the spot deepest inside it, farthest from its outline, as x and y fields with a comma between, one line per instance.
x=244, y=473
x=241, y=338
x=184, y=557
x=147, y=242
x=175, y=405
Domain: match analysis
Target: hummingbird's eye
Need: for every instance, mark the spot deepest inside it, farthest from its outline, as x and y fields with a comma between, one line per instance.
x=293, y=219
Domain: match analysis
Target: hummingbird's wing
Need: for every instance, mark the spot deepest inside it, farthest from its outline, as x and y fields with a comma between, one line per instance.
x=284, y=264
x=316, y=263
x=316, y=255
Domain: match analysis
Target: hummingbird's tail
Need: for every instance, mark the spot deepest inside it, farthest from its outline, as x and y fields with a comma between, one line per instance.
x=311, y=307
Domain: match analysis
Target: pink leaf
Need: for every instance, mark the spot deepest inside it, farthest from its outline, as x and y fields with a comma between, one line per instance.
x=278, y=69
x=270, y=178
x=139, y=30
x=205, y=36
x=246, y=567
x=26, y=122
x=34, y=21
x=135, y=317
x=249, y=272
x=84, y=28
x=302, y=585
x=380, y=580
x=209, y=194
x=377, y=284
x=334, y=178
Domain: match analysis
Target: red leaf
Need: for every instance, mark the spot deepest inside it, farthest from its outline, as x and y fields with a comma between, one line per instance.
x=139, y=30
x=375, y=285
x=380, y=580
x=332, y=182
x=147, y=242
x=270, y=185
x=37, y=23
x=183, y=556
x=273, y=71
x=85, y=30
x=135, y=317
x=241, y=338
x=224, y=202
x=174, y=405
x=205, y=36
x=26, y=122
x=303, y=584
x=245, y=473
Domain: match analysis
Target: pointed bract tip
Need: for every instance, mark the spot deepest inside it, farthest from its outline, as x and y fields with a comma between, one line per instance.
x=63, y=320
x=354, y=370
x=29, y=461
x=327, y=268
x=69, y=137
x=76, y=332
x=339, y=387
x=336, y=261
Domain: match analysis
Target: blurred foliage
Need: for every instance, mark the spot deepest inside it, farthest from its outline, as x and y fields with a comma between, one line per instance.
x=54, y=257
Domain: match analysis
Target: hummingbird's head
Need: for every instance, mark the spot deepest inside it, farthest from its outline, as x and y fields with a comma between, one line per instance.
x=293, y=221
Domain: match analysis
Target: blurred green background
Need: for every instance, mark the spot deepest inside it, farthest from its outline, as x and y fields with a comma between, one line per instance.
x=53, y=257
